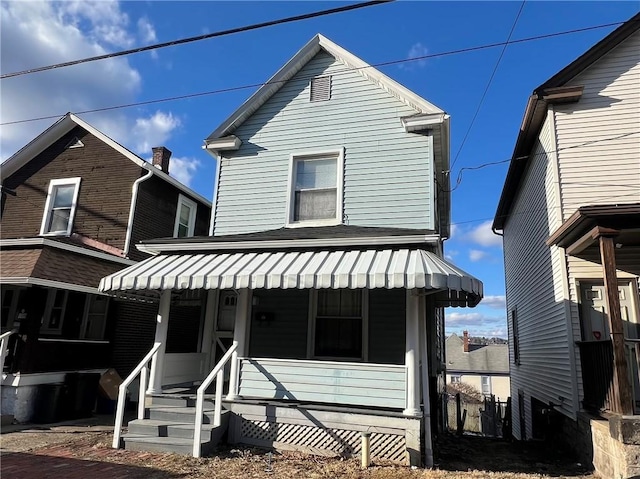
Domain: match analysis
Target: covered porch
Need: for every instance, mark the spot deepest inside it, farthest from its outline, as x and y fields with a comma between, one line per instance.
x=326, y=343
x=609, y=235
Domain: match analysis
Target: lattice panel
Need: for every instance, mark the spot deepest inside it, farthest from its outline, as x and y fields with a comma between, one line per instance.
x=326, y=440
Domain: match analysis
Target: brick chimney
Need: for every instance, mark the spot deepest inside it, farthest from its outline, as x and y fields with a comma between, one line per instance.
x=161, y=157
x=465, y=341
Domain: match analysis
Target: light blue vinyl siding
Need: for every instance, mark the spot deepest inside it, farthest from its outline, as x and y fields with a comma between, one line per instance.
x=387, y=172
x=324, y=382
x=286, y=335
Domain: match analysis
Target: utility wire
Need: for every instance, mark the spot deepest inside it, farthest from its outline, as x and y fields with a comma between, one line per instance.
x=381, y=64
x=182, y=41
x=520, y=158
x=486, y=89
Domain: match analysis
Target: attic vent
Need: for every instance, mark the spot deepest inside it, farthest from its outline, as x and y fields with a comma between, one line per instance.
x=75, y=143
x=321, y=88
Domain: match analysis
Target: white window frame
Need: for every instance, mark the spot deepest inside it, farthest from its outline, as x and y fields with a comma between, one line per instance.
x=75, y=182
x=488, y=385
x=311, y=331
x=85, y=315
x=338, y=155
x=193, y=206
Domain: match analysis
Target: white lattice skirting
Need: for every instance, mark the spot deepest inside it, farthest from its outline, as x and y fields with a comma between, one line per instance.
x=321, y=440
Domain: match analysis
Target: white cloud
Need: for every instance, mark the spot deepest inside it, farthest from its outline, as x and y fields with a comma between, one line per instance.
x=484, y=236
x=183, y=169
x=416, y=50
x=36, y=34
x=146, y=31
x=477, y=255
x=154, y=130
x=450, y=254
x=478, y=324
x=497, y=302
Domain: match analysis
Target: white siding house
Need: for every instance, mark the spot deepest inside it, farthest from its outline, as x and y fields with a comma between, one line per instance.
x=569, y=213
x=324, y=270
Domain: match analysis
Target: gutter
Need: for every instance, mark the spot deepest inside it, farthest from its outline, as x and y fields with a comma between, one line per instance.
x=132, y=209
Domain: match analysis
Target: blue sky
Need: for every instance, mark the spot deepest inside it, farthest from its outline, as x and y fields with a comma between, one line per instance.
x=36, y=34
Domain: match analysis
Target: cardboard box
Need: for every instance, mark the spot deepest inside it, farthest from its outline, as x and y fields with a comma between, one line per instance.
x=109, y=384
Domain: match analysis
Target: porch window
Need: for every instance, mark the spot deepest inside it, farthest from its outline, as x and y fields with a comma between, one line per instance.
x=339, y=324
x=315, y=189
x=60, y=207
x=185, y=217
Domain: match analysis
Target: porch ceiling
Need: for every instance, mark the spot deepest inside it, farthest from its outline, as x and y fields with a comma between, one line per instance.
x=384, y=268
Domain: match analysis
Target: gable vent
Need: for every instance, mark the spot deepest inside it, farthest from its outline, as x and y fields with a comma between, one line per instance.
x=75, y=143
x=321, y=88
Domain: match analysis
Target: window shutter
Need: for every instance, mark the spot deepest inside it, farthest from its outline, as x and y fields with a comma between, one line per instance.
x=321, y=88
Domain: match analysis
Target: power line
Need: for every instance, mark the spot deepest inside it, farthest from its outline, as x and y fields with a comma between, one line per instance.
x=486, y=89
x=520, y=158
x=381, y=64
x=182, y=41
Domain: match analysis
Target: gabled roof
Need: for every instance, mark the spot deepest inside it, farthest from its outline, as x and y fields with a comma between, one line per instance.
x=554, y=90
x=65, y=125
x=488, y=359
x=299, y=60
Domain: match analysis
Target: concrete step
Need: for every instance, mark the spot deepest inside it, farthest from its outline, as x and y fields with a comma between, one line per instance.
x=182, y=415
x=166, y=436
x=184, y=400
x=151, y=427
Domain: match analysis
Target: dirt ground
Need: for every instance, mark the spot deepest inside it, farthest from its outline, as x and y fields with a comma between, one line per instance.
x=458, y=457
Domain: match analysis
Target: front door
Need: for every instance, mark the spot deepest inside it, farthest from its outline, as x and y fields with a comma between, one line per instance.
x=223, y=327
x=595, y=322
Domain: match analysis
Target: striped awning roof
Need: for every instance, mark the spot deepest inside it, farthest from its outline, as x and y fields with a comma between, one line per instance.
x=369, y=269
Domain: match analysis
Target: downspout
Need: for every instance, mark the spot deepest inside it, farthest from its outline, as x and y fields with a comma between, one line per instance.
x=132, y=209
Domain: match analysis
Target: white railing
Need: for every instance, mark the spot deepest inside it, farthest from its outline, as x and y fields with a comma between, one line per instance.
x=143, y=370
x=218, y=371
x=4, y=344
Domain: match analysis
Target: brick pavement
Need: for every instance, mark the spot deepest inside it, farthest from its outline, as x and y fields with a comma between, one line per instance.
x=78, y=462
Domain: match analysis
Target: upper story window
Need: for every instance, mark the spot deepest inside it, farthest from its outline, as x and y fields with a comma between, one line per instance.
x=315, y=191
x=320, y=89
x=185, y=217
x=60, y=207
x=516, y=336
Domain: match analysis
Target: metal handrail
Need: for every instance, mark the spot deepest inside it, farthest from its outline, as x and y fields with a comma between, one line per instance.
x=218, y=371
x=141, y=369
x=4, y=344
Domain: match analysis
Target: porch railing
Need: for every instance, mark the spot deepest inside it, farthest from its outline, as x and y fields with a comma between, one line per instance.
x=4, y=344
x=142, y=370
x=597, y=374
x=218, y=373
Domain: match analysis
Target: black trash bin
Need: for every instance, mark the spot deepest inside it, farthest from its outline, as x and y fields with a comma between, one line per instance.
x=81, y=392
x=48, y=404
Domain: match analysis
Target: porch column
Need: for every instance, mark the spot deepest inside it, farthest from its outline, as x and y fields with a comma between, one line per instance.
x=162, y=325
x=424, y=363
x=239, y=337
x=620, y=388
x=412, y=353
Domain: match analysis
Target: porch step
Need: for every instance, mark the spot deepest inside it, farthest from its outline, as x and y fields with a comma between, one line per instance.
x=163, y=444
x=171, y=429
x=178, y=414
x=181, y=400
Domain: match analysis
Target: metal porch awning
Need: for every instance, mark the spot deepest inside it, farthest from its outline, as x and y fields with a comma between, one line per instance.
x=369, y=269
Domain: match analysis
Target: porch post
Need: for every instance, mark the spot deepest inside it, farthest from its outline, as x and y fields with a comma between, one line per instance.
x=412, y=353
x=424, y=362
x=621, y=388
x=239, y=337
x=157, y=362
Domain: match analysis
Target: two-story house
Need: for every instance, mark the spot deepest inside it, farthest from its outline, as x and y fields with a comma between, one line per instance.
x=570, y=217
x=73, y=204
x=323, y=270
